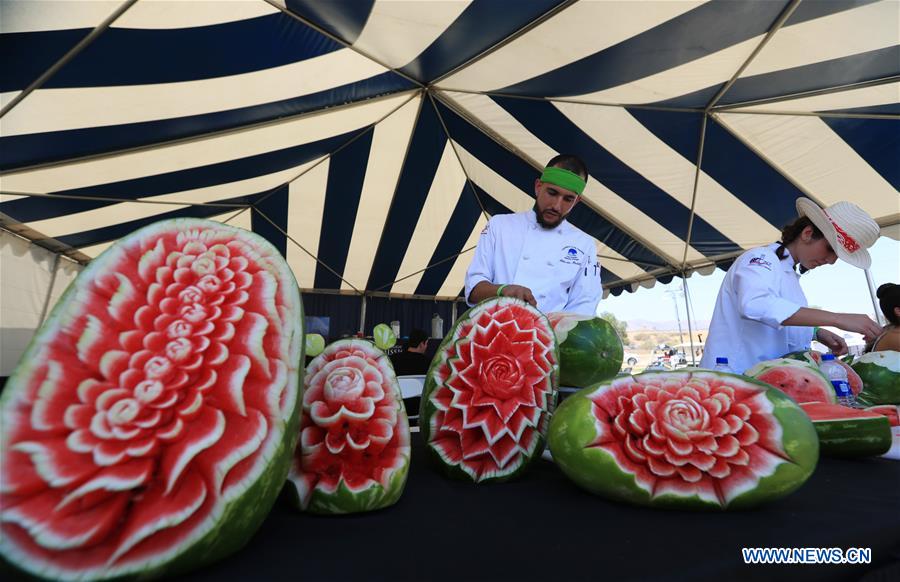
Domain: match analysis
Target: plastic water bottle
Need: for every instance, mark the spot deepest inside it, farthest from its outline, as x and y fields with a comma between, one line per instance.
x=838, y=377
x=722, y=366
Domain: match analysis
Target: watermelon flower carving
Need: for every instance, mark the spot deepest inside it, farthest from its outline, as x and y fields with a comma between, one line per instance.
x=354, y=447
x=491, y=389
x=702, y=436
x=161, y=390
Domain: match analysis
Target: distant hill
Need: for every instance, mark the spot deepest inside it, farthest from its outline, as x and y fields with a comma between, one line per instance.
x=668, y=325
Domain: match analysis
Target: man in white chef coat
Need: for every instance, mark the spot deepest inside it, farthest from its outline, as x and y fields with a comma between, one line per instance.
x=537, y=255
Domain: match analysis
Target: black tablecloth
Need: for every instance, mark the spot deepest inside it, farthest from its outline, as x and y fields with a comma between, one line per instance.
x=542, y=527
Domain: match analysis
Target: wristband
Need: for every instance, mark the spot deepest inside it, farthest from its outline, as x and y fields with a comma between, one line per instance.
x=500, y=290
x=815, y=332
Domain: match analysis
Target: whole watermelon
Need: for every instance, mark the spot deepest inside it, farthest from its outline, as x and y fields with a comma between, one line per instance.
x=686, y=440
x=354, y=448
x=590, y=350
x=149, y=426
x=801, y=380
x=880, y=373
x=490, y=391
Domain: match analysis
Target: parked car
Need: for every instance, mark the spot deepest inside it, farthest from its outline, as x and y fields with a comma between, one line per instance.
x=629, y=360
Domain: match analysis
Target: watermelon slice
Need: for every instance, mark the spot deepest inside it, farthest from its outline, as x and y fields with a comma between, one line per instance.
x=800, y=380
x=490, y=391
x=880, y=373
x=815, y=358
x=891, y=411
x=149, y=427
x=590, y=350
x=847, y=432
x=689, y=440
x=354, y=448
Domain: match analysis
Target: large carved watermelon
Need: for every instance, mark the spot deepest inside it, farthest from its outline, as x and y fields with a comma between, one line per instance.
x=590, y=350
x=691, y=440
x=880, y=373
x=815, y=358
x=799, y=379
x=150, y=424
x=354, y=447
x=490, y=391
x=847, y=432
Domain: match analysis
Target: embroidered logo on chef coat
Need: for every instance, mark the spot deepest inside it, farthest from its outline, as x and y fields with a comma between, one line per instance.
x=485, y=229
x=572, y=256
x=760, y=262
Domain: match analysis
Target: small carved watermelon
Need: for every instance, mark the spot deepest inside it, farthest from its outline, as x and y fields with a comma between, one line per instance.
x=354, y=447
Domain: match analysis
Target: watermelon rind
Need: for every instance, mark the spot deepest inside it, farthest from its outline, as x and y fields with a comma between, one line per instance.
x=384, y=336
x=340, y=498
x=574, y=433
x=427, y=408
x=315, y=344
x=590, y=349
x=847, y=432
x=880, y=374
x=238, y=514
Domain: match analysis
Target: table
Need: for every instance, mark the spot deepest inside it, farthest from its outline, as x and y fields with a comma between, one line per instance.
x=542, y=527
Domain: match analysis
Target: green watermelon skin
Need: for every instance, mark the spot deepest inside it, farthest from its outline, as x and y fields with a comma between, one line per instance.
x=880, y=374
x=590, y=350
x=588, y=444
x=798, y=378
x=444, y=450
x=240, y=514
x=847, y=432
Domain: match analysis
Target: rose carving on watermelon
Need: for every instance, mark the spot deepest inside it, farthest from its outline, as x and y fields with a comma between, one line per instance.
x=690, y=440
x=149, y=426
x=354, y=447
x=490, y=391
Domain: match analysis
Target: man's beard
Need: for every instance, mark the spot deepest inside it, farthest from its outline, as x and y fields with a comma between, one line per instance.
x=544, y=222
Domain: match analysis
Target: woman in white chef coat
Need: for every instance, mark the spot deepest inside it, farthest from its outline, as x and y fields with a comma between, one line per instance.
x=761, y=311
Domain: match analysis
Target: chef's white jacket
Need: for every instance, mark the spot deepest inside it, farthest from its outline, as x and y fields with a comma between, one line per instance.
x=559, y=265
x=759, y=292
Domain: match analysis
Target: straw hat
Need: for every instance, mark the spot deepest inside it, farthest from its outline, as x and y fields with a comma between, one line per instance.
x=846, y=226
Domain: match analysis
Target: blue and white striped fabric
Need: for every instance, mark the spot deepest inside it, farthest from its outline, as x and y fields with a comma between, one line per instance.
x=370, y=140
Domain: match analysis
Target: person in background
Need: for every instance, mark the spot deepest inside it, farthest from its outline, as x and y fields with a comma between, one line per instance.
x=761, y=312
x=889, y=338
x=537, y=255
x=412, y=361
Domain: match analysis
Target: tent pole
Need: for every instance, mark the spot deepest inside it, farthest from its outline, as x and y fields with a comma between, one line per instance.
x=687, y=308
x=453, y=313
x=362, y=315
x=878, y=317
x=49, y=289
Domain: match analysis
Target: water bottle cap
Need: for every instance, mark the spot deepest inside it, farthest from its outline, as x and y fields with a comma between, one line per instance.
x=721, y=360
x=828, y=357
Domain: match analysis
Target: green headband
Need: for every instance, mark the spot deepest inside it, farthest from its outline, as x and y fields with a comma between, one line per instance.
x=564, y=179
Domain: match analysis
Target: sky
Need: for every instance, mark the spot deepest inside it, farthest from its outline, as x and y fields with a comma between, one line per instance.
x=837, y=287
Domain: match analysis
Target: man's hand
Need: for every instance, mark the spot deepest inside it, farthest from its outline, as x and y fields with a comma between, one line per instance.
x=519, y=292
x=833, y=341
x=860, y=324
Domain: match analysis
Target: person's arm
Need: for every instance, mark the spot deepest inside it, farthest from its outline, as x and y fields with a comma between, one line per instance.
x=586, y=290
x=855, y=322
x=485, y=290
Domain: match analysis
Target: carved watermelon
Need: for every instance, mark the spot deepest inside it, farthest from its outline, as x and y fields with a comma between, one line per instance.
x=880, y=373
x=689, y=440
x=150, y=425
x=490, y=391
x=590, y=350
x=354, y=447
x=847, y=432
x=815, y=358
x=800, y=380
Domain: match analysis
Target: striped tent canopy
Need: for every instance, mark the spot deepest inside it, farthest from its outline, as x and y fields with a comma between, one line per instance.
x=370, y=140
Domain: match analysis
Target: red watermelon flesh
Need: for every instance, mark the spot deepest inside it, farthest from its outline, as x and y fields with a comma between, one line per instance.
x=814, y=357
x=801, y=381
x=490, y=391
x=892, y=411
x=354, y=448
x=157, y=399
